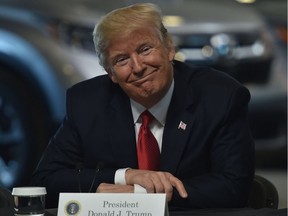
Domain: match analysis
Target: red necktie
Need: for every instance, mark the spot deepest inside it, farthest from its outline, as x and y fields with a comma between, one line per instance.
x=147, y=148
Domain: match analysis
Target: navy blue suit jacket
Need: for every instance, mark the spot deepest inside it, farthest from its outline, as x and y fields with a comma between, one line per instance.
x=213, y=155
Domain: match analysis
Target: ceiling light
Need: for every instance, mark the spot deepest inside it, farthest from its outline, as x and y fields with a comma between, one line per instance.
x=246, y=1
x=172, y=20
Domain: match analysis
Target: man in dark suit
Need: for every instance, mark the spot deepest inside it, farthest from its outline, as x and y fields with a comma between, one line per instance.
x=199, y=122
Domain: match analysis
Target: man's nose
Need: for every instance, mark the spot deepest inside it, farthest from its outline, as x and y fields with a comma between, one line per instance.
x=136, y=63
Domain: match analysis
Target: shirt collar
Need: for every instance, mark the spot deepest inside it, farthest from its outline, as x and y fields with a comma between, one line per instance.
x=159, y=110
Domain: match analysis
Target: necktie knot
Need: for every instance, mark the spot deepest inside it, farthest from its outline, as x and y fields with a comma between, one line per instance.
x=146, y=117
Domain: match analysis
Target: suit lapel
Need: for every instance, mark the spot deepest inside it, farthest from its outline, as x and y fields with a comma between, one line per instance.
x=178, y=126
x=122, y=135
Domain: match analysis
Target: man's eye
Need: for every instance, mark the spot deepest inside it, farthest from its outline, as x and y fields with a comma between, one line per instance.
x=146, y=50
x=121, y=61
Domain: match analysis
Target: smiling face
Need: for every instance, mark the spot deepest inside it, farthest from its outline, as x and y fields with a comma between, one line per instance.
x=142, y=65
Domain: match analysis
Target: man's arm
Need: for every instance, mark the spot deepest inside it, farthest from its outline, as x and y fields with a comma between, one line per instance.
x=61, y=168
x=151, y=181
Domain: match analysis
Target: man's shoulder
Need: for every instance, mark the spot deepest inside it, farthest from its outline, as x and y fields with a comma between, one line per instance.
x=97, y=85
x=94, y=90
x=206, y=83
x=202, y=76
x=94, y=82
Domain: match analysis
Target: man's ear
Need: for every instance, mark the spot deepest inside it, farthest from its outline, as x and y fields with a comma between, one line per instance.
x=111, y=75
x=171, y=50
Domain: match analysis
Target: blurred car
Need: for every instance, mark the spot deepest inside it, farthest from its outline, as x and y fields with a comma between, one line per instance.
x=268, y=112
x=46, y=46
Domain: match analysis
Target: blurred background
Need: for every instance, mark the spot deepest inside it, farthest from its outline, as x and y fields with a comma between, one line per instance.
x=46, y=46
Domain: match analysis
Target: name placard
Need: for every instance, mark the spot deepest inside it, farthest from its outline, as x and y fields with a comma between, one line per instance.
x=112, y=204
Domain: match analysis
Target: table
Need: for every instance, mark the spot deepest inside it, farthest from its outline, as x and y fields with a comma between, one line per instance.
x=196, y=212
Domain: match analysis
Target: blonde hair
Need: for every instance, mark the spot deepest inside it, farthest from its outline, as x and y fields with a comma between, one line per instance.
x=124, y=21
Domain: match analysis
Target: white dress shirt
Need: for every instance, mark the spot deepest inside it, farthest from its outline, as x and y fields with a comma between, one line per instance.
x=159, y=112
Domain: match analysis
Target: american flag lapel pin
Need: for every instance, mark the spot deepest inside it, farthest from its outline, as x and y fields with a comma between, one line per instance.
x=182, y=125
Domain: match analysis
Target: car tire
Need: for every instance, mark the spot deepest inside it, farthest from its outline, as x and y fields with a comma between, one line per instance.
x=23, y=134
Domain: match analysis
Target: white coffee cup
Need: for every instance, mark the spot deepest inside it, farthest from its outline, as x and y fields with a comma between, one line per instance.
x=29, y=200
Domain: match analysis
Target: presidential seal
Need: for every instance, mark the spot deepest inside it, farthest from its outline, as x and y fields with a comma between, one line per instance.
x=72, y=208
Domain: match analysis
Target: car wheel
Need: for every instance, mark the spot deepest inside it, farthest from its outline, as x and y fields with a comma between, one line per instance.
x=22, y=130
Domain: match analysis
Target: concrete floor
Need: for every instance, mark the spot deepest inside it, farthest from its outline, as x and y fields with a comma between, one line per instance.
x=279, y=179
